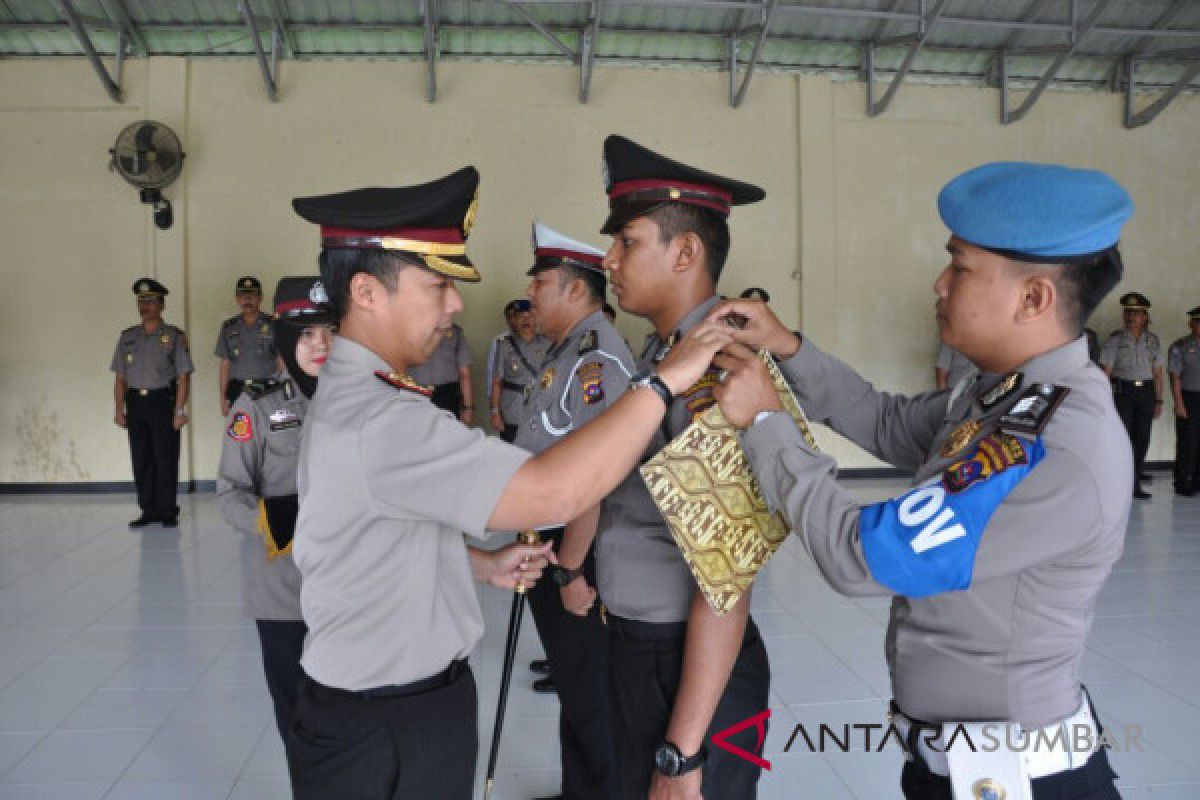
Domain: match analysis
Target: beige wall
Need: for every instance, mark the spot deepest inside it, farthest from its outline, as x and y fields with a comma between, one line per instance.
x=849, y=209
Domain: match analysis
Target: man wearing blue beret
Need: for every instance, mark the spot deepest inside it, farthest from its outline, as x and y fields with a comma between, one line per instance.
x=1022, y=487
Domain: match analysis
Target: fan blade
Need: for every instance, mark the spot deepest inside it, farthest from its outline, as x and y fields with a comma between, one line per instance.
x=144, y=138
x=166, y=160
x=133, y=165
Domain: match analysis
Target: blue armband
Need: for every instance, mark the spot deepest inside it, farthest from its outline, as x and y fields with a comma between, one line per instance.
x=924, y=542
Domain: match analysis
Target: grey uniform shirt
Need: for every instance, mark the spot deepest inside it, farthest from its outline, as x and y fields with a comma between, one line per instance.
x=955, y=363
x=1183, y=359
x=1131, y=359
x=388, y=484
x=516, y=363
x=581, y=376
x=1008, y=647
x=151, y=360
x=250, y=349
x=442, y=367
x=639, y=569
x=258, y=460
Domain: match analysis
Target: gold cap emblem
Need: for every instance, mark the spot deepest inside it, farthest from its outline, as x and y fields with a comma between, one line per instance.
x=472, y=210
x=988, y=789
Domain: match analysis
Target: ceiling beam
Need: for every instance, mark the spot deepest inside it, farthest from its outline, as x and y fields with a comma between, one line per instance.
x=111, y=86
x=120, y=12
x=587, y=52
x=874, y=108
x=279, y=16
x=768, y=13
x=429, y=11
x=1006, y=116
x=1147, y=114
x=269, y=68
x=558, y=43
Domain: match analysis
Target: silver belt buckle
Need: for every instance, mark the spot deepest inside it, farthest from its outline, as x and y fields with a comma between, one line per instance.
x=143, y=392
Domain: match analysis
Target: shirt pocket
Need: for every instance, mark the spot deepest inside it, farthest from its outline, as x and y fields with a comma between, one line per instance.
x=283, y=439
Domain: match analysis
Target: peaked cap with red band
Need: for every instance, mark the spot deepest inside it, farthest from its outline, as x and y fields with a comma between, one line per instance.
x=551, y=249
x=639, y=181
x=301, y=300
x=429, y=222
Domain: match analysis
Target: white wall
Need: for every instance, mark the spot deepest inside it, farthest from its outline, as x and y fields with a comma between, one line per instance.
x=848, y=241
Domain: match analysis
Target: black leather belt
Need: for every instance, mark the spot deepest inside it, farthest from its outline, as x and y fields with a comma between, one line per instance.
x=638, y=631
x=1137, y=384
x=444, y=678
x=147, y=392
x=513, y=387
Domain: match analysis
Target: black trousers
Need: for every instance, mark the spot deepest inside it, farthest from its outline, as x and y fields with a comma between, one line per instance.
x=344, y=746
x=154, y=450
x=1092, y=781
x=645, y=666
x=577, y=649
x=1135, y=405
x=508, y=434
x=282, y=643
x=448, y=397
x=1187, y=445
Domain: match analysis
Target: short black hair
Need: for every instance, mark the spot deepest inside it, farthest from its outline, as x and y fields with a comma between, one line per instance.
x=594, y=281
x=1083, y=284
x=339, y=265
x=676, y=219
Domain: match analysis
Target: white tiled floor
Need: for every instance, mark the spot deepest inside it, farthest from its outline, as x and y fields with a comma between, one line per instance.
x=127, y=671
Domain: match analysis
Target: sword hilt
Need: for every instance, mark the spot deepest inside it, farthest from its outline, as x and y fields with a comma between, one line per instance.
x=526, y=537
x=487, y=788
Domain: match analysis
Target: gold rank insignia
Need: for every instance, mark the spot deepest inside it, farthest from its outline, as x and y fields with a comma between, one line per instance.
x=166, y=340
x=547, y=378
x=404, y=382
x=960, y=437
x=988, y=789
x=1000, y=391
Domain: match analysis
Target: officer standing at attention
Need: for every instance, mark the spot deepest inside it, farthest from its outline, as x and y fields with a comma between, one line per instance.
x=996, y=558
x=1131, y=359
x=514, y=370
x=256, y=483
x=388, y=485
x=587, y=368
x=1183, y=364
x=679, y=671
x=448, y=372
x=150, y=392
x=510, y=324
x=246, y=344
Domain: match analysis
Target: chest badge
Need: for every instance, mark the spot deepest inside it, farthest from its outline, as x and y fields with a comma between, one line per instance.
x=960, y=437
x=264, y=329
x=165, y=340
x=547, y=378
x=988, y=789
x=129, y=358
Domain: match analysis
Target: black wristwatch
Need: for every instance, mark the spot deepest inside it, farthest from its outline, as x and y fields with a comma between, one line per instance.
x=649, y=379
x=562, y=576
x=672, y=763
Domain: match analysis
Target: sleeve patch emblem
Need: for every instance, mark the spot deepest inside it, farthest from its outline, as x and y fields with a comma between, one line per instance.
x=995, y=453
x=591, y=376
x=240, y=428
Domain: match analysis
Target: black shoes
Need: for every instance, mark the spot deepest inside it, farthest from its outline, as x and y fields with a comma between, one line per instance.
x=142, y=521
x=146, y=519
x=539, y=667
x=1182, y=492
x=544, y=686
x=1140, y=493
x=170, y=522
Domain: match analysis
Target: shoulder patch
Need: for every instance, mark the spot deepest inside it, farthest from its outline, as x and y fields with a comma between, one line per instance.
x=588, y=343
x=591, y=377
x=240, y=428
x=1032, y=411
x=699, y=398
x=404, y=383
x=924, y=542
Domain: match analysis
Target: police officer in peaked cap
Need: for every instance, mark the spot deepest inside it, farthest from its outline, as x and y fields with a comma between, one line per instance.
x=152, y=367
x=388, y=485
x=245, y=343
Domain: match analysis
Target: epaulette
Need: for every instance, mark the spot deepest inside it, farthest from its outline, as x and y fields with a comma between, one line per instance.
x=230, y=322
x=1033, y=409
x=404, y=383
x=588, y=342
x=130, y=329
x=259, y=389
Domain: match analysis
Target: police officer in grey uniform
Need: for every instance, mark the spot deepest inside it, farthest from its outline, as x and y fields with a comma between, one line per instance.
x=679, y=671
x=1183, y=365
x=246, y=343
x=389, y=483
x=586, y=369
x=448, y=371
x=951, y=367
x=256, y=484
x=1132, y=359
x=152, y=369
x=1022, y=477
x=514, y=370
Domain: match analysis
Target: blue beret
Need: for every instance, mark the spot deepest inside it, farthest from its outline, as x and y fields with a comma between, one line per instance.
x=1044, y=211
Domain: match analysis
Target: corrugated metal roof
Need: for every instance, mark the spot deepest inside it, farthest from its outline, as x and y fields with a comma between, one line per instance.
x=819, y=35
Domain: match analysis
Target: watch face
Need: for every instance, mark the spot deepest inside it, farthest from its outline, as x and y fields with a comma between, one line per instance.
x=667, y=759
x=559, y=575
